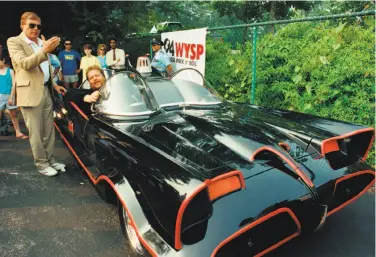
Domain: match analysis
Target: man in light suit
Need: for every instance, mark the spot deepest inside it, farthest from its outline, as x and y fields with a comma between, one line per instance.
x=34, y=90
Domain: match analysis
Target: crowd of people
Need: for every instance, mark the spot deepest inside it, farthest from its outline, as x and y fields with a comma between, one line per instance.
x=70, y=63
x=66, y=67
x=38, y=72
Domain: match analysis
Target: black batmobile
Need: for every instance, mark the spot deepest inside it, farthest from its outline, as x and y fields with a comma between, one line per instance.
x=196, y=176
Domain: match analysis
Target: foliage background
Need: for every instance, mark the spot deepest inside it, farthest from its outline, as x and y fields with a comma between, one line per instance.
x=325, y=68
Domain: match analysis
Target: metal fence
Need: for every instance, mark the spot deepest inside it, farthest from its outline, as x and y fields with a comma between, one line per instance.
x=234, y=36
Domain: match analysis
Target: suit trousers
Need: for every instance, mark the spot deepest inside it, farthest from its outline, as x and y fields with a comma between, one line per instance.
x=39, y=121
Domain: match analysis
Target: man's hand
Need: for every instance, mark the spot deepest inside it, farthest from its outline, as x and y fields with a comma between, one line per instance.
x=92, y=98
x=60, y=89
x=78, y=71
x=169, y=70
x=10, y=100
x=50, y=45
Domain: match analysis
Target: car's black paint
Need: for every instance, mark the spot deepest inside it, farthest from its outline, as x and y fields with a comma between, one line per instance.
x=154, y=164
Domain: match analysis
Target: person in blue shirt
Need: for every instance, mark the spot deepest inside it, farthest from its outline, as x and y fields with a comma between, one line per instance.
x=70, y=61
x=161, y=61
x=7, y=97
x=57, y=76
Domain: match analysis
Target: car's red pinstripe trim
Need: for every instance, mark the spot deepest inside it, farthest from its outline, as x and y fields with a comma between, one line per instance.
x=285, y=146
x=259, y=221
x=188, y=199
x=79, y=111
x=100, y=178
x=358, y=195
x=291, y=163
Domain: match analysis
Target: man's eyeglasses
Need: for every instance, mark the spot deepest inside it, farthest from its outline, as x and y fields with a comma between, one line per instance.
x=68, y=44
x=32, y=26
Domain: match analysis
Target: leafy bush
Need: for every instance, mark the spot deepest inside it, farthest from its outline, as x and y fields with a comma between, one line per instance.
x=325, y=69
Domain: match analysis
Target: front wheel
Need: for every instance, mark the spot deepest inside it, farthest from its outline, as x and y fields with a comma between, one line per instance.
x=132, y=242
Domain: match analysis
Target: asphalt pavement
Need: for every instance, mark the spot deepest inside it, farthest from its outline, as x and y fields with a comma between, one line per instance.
x=64, y=216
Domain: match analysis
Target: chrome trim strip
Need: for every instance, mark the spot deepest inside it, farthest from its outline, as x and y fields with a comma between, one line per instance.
x=182, y=104
x=126, y=113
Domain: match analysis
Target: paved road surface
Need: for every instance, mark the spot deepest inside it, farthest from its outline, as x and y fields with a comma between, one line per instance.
x=64, y=216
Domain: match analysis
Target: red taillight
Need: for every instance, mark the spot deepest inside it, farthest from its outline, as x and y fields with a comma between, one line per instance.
x=70, y=126
x=223, y=187
x=330, y=145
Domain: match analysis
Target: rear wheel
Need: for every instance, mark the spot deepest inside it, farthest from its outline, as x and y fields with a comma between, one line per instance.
x=132, y=242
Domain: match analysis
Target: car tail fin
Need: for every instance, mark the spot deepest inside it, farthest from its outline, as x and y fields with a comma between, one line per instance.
x=285, y=158
x=346, y=149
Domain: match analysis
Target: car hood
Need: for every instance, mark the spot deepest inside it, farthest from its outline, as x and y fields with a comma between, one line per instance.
x=226, y=138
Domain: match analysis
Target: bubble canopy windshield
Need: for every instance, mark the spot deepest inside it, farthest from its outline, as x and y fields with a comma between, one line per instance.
x=187, y=87
x=129, y=94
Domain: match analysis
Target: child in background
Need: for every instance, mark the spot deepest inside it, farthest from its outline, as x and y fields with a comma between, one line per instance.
x=7, y=96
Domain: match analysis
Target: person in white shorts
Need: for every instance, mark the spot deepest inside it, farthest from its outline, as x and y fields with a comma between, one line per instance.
x=70, y=61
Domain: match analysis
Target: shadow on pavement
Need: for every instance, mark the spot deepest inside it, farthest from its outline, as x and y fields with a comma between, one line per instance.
x=52, y=216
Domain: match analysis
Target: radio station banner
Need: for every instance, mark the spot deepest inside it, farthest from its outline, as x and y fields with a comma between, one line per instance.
x=186, y=48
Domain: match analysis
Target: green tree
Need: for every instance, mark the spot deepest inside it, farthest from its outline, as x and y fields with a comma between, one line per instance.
x=336, y=7
x=97, y=21
x=247, y=11
x=192, y=14
x=251, y=11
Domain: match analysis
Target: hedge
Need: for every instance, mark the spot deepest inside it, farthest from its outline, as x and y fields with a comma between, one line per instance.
x=326, y=69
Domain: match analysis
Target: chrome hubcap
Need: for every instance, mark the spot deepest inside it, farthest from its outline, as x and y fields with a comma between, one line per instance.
x=131, y=234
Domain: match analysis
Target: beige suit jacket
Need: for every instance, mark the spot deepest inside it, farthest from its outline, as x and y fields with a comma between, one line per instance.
x=28, y=74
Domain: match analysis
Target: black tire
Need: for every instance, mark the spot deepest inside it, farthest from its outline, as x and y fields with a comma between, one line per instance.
x=132, y=243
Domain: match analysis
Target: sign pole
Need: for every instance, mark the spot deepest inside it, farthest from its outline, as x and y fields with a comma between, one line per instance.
x=254, y=65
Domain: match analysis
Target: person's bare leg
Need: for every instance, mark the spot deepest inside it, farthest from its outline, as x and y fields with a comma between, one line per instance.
x=66, y=85
x=75, y=84
x=16, y=124
x=5, y=131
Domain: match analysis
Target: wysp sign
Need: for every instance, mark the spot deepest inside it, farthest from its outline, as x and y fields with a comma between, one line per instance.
x=186, y=48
